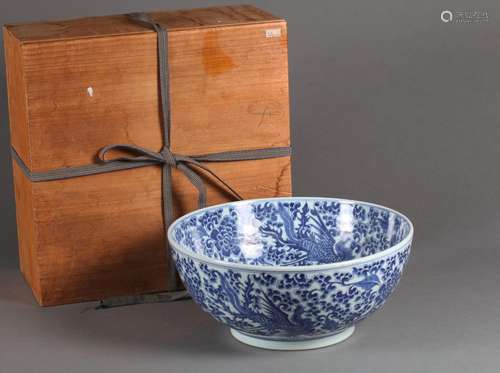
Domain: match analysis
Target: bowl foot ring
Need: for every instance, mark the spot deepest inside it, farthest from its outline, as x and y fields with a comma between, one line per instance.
x=308, y=344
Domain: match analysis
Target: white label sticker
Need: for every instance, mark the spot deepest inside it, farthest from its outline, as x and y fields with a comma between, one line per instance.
x=273, y=33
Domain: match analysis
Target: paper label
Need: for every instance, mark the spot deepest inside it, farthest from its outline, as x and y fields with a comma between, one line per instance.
x=273, y=33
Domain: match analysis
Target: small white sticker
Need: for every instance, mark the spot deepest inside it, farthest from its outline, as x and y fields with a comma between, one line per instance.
x=90, y=91
x=273, y=33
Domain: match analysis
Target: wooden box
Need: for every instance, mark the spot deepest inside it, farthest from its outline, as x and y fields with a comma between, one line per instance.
x=75, y=86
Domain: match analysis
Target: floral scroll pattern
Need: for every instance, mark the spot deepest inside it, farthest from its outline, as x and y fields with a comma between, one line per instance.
x=283, y=305
x=291, y=233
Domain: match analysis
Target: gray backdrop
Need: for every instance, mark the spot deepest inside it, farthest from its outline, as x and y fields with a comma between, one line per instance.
x=389, y=104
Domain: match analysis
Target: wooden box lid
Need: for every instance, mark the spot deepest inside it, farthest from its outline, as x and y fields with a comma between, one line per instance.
x=93, y=81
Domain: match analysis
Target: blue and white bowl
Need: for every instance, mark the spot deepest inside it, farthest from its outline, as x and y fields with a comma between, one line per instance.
x=291, y=273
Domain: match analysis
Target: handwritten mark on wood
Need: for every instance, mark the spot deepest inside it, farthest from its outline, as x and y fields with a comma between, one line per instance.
x=265, y=110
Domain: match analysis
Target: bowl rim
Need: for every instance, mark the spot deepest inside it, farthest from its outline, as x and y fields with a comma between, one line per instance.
x=303, y=268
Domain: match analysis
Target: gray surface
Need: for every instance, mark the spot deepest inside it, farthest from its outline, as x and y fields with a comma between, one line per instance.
x=399, y=109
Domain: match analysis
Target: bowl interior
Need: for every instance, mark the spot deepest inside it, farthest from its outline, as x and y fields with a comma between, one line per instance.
x=290, y=232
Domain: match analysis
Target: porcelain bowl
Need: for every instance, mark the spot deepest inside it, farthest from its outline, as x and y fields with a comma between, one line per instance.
x=291, y=273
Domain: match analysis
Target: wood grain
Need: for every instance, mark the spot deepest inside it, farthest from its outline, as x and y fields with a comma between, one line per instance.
x=98, y=236
x=18, y=108
x=237, y=77
x=176, y=20
x=27, y=231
